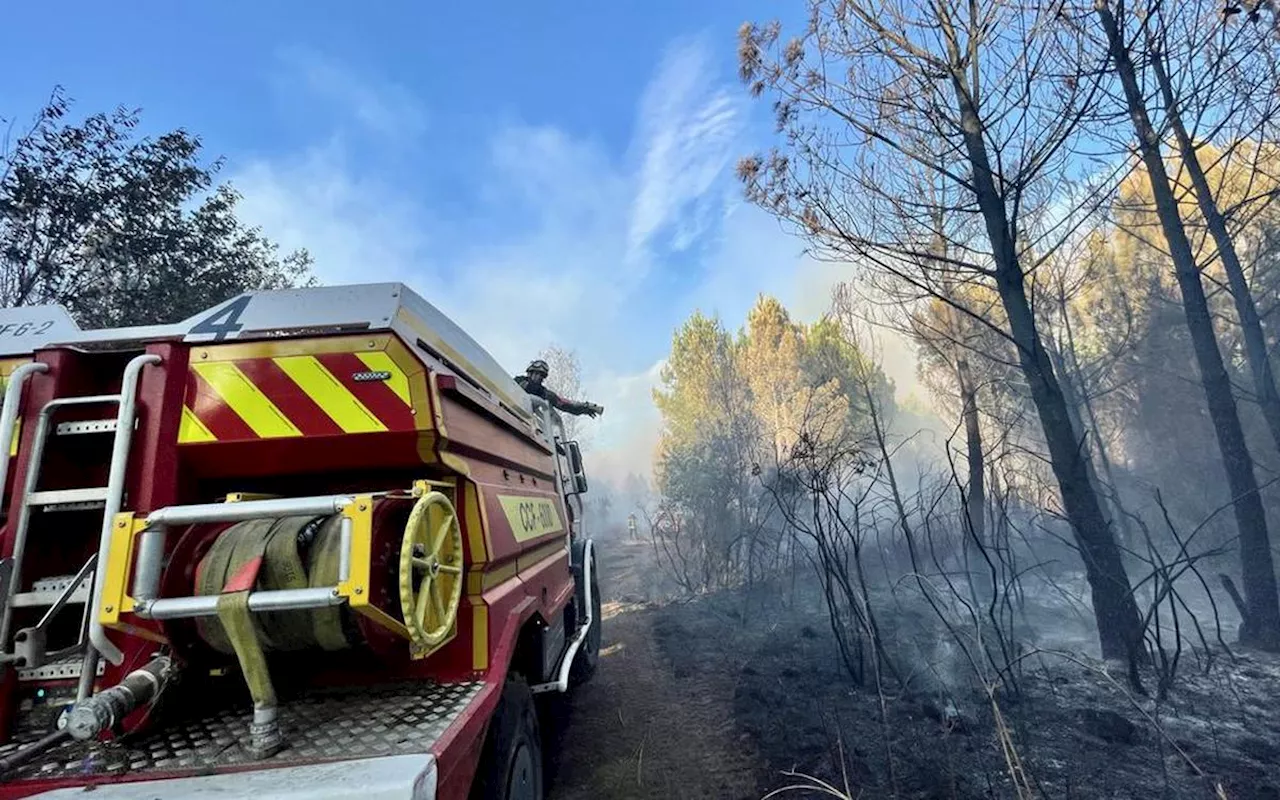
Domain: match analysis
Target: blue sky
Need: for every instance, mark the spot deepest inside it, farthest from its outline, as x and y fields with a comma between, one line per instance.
x=540, y=172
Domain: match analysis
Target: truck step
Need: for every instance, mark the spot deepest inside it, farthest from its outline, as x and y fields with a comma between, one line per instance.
x=86, y=426
x=69, y=499
x=47, y=590
x=65, y=670
x=324, y=725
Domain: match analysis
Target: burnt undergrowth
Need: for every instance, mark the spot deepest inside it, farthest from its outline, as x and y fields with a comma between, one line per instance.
x=1075, y=728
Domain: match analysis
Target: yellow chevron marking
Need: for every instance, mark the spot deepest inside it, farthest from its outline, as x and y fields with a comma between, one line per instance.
x=192, y=429
x=328, y=392
x=247, y=400
x=381, y=362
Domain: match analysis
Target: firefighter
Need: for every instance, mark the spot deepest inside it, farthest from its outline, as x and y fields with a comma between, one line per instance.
x=532, y=382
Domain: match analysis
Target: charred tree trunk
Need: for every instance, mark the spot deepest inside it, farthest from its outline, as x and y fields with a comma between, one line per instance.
x=1118, y=517
x=1262, y=626
x=1255, y=343
x=1119, y=624
x=975, y=497
x=1071, y=394
x=1074, y=375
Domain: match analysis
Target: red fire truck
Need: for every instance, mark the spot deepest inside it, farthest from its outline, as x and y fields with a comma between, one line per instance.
x=312, y=543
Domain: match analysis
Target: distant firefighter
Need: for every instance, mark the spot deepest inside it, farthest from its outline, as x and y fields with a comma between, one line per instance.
x=532, y=382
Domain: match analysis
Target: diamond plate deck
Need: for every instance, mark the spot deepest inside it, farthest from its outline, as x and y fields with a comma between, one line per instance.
x=377, y=721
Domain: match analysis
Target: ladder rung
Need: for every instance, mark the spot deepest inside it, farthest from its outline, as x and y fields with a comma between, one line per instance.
x=42, y=597
x=65, y=669
x=86, y=426
x=59, y=497
x=91, y=399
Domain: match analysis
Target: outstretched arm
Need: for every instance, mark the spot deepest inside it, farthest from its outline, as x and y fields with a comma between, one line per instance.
x=575, y=407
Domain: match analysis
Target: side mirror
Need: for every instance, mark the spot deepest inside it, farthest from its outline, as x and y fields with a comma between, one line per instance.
x=575, y=464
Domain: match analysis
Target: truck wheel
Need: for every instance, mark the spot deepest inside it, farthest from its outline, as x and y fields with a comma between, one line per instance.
x=511, y=766
x=584, y=663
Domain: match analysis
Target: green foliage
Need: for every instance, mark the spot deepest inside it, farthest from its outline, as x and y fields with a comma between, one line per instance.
x=771, y=382
x=830, y=356
x=736, y=410
x=702, y=386
x=122, y=230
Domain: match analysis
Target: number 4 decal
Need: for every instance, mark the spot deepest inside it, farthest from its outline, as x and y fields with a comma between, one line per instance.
x=225, y=321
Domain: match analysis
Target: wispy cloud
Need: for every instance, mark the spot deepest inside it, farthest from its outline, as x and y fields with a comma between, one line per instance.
x=385, y=108
x=689, y=124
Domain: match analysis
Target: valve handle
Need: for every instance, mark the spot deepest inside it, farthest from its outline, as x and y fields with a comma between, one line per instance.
x=430, y=571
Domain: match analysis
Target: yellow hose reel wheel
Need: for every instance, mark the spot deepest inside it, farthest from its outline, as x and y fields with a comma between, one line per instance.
x=430, y=571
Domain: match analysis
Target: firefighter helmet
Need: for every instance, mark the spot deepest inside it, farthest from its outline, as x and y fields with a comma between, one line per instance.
x=538, y=366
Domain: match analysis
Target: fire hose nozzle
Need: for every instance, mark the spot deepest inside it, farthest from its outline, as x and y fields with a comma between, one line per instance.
x=95, y=714
x=265, y=736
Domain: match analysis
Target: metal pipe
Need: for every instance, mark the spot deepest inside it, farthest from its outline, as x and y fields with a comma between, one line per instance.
x=344, y=550
x=84, y=686
x=561, y=684
x=34, y=461
x=91, y=716
x=146, y=578
x=249, y=509
x=9, y=414
x=67, y=592
x=99, y=643
x=269, y=600
x=84, y=400
x=550, y=421
x=579, y=518
x=32, y=750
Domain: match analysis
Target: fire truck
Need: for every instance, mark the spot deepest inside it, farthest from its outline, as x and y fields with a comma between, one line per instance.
x=311, y=543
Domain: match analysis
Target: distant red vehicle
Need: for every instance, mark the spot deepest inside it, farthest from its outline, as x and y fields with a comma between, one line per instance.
x=340, y=553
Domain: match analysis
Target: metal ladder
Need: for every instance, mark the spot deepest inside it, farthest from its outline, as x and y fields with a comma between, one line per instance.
x=551, y=425
x=83, y=588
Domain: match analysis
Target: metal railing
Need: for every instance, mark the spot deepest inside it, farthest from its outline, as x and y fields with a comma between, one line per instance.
x=125, y=411
x=111, y=496
x=9, y=413
x=552, y=426
x=151, y=554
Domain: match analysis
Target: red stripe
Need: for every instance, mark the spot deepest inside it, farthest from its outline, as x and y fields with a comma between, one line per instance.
x=245, y=577
x=216, y=415
x=294, y=403
x=377, y=396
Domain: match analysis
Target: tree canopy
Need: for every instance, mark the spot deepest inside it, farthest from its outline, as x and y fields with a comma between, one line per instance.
x=125, y=230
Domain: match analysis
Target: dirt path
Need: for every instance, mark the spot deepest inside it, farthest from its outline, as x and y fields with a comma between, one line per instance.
x=635, y=731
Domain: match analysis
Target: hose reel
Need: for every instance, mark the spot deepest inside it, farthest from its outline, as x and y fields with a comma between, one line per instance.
x=305, y=552
x=269, y=554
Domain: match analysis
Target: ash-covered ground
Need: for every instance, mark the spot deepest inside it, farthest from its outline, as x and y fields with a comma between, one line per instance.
x=723, y=695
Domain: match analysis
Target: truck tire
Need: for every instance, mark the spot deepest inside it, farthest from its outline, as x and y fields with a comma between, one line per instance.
x=511, y=765
x=588, y=656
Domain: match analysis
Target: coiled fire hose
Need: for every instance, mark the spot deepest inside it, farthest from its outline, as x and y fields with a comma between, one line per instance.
x=269, y=554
